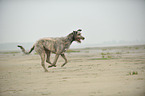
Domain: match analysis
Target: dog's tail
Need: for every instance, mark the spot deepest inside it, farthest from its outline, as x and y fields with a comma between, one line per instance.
x=24, y=51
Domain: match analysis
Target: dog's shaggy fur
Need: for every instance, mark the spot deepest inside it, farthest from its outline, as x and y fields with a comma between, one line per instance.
x=58, y=46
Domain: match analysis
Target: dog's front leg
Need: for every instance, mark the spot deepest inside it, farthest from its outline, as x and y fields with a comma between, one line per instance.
x=55, y=60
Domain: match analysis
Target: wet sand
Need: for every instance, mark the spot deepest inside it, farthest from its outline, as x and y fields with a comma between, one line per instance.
x=100, y=71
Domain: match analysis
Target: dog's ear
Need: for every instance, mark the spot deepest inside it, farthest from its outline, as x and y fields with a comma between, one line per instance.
x=79, y=30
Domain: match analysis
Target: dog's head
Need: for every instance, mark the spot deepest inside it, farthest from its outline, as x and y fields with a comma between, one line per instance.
x=77, y=36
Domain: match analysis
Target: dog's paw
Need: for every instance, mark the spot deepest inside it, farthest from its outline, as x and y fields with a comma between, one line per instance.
x=51, y=66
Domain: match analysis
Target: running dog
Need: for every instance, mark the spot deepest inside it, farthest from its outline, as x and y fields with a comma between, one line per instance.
x=58, y=46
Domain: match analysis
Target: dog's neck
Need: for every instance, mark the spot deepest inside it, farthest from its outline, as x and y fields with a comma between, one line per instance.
x=69, y=39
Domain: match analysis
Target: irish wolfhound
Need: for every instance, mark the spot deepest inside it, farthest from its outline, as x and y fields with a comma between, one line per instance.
x=57, y=45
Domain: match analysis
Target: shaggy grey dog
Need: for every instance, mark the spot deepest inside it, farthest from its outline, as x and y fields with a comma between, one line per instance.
x=58, y=45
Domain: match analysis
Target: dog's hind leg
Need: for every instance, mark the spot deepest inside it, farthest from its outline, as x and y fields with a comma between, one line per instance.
x=41, y=51
x=42, y=55
x=63, y=56
x=48, y=56
x=55, y=60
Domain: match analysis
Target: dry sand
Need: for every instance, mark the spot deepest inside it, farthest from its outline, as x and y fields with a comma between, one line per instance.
x=108, y=71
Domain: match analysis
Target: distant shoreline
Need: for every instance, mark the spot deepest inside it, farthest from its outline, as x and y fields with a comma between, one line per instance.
x=13, y=46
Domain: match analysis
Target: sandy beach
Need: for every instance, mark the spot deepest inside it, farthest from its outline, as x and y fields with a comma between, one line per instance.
x=98, y=71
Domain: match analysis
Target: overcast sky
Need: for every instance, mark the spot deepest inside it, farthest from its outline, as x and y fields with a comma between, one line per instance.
x=100, y=20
